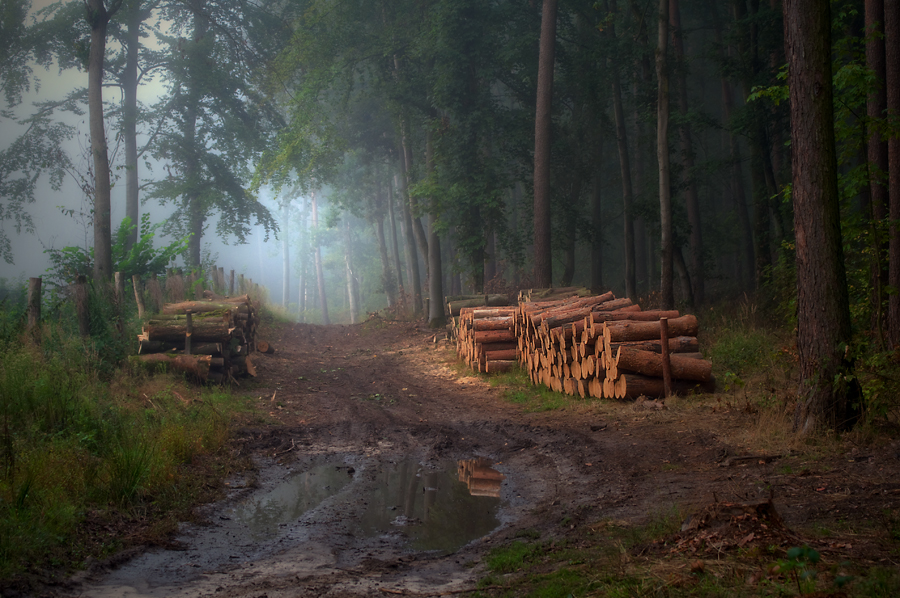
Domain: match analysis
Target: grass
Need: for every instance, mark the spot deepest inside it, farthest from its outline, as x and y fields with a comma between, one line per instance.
x=91, y=462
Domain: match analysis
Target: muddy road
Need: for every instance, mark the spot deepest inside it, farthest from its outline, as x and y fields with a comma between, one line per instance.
x=357, y=493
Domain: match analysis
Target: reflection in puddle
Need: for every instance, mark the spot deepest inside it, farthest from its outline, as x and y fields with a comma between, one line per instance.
x=291, y=499
x=430, y=507
x=480, y=477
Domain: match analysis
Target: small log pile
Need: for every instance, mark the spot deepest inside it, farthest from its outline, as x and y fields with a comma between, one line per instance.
x=608, y=348
x=486, y=338
x=211, y=339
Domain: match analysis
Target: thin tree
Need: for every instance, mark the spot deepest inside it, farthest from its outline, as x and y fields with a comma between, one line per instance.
x=320, y=275
x=98, y=16
x=823, y=308
x=543, y=266
x=667, y=296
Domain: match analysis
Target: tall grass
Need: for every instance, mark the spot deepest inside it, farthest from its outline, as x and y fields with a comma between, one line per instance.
x=81, y=439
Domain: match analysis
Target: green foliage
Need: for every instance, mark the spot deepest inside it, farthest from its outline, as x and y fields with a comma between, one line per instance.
x=72, y=444
x=142, y=258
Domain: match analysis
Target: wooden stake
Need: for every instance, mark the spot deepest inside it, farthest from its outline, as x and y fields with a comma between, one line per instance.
x=666, y=364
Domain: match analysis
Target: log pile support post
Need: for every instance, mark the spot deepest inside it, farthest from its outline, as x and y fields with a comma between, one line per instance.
x=138, y=295
x=664, y=350
x=81, y=306
x=34, y=308
x=189, y=330
x=231, y=284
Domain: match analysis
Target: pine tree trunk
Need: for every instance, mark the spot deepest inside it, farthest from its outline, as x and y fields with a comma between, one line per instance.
x=351, y=277
x=892, y=85
x=320, y=275
x=98, y=19
x=286, y=254
x=667, y=296
x=436, y=318
x=395, y=245
x=415, y=281
x=826, y=382
x=129, y=118
x=627, y=190
x=543, y=270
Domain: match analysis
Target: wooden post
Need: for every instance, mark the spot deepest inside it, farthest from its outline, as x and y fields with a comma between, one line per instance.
x=189, y=325
x=666, y=364
x=120, y=290
x=240, y=283
x=138, y=296
x=34, y=308
x=81, y=306
x=222, y=280
x=231, y=284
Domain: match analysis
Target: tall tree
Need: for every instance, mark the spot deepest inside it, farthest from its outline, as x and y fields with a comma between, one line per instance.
x=543, y=263
x=823, y=322
x=98, y=14
x=892, y=84
x=667, y=241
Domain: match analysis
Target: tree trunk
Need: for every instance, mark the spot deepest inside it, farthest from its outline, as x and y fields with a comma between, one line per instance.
x=892, y=85
x=667, y=296
x=320, y=275
x=415, y=221
x=877, y=150
x=395, y=245
x=823, y=322
x=543, y=266
x=387, y=277
x=352, y=292
x=627, y=190
x=193, y=197
x=129, y=117
x=98, y=18
x=285, y=254
x=436, y=318
x=415, y=282
x=691, y=198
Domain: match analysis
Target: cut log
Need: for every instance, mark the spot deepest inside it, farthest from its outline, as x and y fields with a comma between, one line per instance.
x=203, y=307
x=502, y=355
x=636, y=385
x=628, y=330
x=265, y=347
x=486, y=300
x=494, y=336
x=496, y=366
x=679, y=344
x=651, y=364
x=205, y=330
x=494, y=323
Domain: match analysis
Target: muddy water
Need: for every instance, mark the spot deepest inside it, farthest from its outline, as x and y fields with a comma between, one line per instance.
x=323, y=517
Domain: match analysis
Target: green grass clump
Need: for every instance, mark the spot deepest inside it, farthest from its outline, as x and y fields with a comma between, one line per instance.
x=518, y=389
x=78, y=445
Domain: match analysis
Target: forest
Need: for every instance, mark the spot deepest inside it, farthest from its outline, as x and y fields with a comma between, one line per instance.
x=681, y=152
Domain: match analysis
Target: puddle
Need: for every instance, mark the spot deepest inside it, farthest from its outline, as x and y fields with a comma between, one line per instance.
x=288, y=501
x=440, y=509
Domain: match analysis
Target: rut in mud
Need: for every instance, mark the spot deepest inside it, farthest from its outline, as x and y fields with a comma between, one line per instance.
x=357, y=491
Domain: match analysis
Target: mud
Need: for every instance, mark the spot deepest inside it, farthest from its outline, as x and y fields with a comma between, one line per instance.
x=357, y=489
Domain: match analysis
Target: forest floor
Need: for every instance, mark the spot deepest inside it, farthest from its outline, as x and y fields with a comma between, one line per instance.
x=363, y=400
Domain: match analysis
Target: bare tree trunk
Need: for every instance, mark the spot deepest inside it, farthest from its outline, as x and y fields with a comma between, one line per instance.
x=129, y=117
x=416, y=222
x=436, y=318
x=320, y=275
x=691, y=198
x=351, y=276
x=877, y=154
x=543, y=263
x=286, y=254
x=627, y=189
x=395, y=245
x=667, y=296
x=827, y=386
x=892, y=84
x=98, y=18
x=415, y=282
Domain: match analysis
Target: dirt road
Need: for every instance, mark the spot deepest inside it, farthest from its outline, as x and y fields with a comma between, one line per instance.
x=373, y=419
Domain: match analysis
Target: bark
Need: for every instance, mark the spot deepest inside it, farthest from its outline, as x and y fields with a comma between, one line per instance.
x=352, y=292
x=649, y=363
x=436, y=318
x=395, y=245
x=98, y=19
x=823, y=322
x=892, y=85
x=195, y=208
x=387, y=277
x=877, y=153
x=543, y=271
x=320, y=275
x=415, y=282
x=415, y=221
x=285, y=254
x=667, y=297
x=691, y=198
x=627, y=189
x=129, y=116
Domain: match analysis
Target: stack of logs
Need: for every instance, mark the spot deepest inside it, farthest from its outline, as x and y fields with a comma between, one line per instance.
x=486, y=338
x=211, y=340
x=608, y=348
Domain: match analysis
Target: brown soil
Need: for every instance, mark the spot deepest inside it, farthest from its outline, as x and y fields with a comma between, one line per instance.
x=386, y=390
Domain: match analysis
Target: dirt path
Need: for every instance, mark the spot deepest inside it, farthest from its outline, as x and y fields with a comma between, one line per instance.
x=362, y=399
